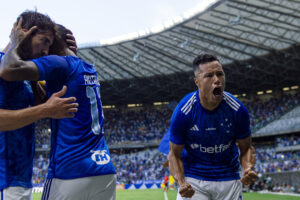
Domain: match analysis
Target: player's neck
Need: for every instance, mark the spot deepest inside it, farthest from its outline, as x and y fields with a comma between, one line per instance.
x=206, y=104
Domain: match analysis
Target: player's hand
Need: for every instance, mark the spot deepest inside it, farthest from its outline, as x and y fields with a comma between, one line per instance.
x=71, y=41
x=18, y=34
x=186, y=190
x=57, y=107
x=248, y=177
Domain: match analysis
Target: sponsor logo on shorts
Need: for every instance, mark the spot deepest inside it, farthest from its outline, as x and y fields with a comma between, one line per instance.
x=100, y=157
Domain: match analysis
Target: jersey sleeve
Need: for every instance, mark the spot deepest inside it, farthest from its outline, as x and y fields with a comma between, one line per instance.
x=243, y=123
x=178, y=127
x=52, y=67
x=1, y=54
x=2, y=92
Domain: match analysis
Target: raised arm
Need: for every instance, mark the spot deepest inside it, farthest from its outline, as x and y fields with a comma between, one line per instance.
x=12, y=67
x=56, y=107
x=6, y=48
x=247, y=158
x=177, y=170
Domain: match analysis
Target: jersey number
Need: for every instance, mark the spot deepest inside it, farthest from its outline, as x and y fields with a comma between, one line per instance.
x=91, y=94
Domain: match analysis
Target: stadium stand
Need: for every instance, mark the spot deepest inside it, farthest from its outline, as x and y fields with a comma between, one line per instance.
x=264, y=112
x=138, y=167
x=136, y=126
x=279, y=154
x=148, y=124
x=287, y=123
x=257, y=43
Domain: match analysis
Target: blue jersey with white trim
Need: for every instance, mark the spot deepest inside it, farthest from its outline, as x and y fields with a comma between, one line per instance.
x=17, y=146
x=78, y=147
x=210, y=137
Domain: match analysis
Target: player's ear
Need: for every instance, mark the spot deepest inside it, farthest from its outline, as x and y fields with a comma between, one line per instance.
x=197, y=82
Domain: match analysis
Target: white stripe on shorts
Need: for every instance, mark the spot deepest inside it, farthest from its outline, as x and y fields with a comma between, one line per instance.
x=46, y=189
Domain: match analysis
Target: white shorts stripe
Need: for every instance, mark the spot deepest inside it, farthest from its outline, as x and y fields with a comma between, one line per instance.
x=46, y=190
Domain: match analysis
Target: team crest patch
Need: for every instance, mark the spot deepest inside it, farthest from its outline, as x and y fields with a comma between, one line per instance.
x=100, y=157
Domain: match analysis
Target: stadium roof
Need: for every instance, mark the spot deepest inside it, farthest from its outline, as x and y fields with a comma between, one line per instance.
x=257, y=42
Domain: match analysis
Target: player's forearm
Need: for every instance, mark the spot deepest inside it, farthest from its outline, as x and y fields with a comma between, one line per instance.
x=6, y=48
x=9, y=62
x=15, y=119
x=176, y=168
x=247, y=158
x=11, y=58
x=13, y=68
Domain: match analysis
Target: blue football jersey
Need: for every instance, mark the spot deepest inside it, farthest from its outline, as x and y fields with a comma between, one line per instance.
x=78, y=147
x=16, y=147
x=210, y=137
x=165, y=144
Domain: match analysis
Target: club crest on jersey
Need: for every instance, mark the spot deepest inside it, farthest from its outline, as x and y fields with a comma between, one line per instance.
x=100, y=157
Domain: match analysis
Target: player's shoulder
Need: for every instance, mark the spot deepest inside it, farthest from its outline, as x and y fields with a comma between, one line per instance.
x=76, y=61
x=72, y=58
x=50, y=60
x=187, y=102
x=1, y=55
x=52, y=57
x=233, y=102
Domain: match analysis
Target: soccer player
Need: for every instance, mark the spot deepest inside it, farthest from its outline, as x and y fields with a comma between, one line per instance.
x=80, y=165
x=208, y=123
x=166, y=182
x=17, y=114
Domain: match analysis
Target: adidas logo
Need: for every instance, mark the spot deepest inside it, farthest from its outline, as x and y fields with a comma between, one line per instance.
x=194, y=128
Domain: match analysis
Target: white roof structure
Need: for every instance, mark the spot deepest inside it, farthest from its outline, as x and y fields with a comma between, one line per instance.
x=257, y=42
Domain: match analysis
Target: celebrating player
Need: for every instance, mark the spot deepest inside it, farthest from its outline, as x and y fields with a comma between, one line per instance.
x=80, y=165
x=17, y=141
x=208, y=123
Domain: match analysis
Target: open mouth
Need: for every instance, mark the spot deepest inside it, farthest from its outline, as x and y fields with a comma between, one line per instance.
x=217, y=91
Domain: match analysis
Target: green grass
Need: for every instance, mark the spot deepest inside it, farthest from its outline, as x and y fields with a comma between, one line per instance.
x=36, y=196
x=257, y=196
x=151, y=194
x=157, y=194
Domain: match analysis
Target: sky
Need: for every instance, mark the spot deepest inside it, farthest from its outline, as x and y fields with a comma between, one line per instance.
x=95, y=20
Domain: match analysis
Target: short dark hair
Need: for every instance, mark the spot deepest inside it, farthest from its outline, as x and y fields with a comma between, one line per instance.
x=30, y=19
x=202, y=59
x=34, y=18
x=60, y=39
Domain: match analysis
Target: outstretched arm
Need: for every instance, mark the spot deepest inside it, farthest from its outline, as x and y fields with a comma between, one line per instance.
x=177, y=170
x=56, y=107
x=248, y=161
